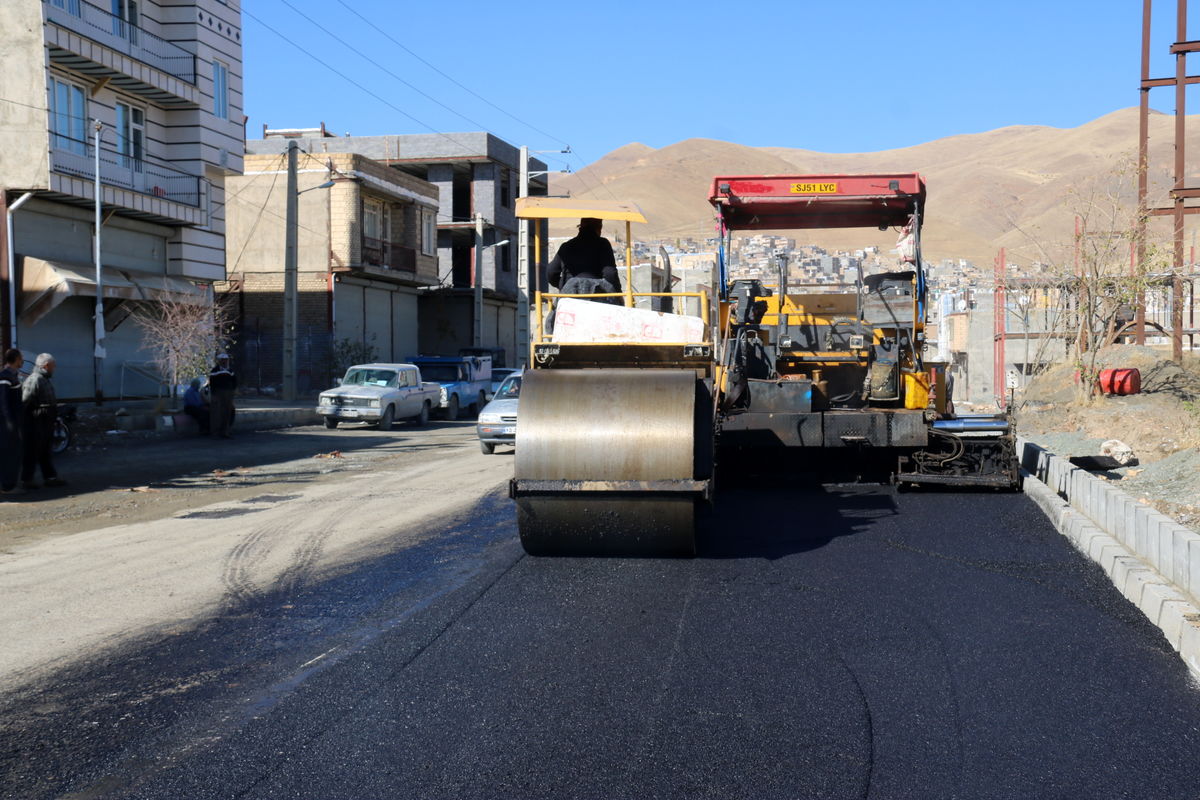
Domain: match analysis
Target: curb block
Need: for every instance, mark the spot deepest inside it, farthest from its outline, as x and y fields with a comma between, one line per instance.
x=1151, y=559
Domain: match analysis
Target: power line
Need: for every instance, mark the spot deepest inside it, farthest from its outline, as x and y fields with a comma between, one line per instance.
x=460, y=85
x=370, y=60
x=356, y=84
x=26, y=105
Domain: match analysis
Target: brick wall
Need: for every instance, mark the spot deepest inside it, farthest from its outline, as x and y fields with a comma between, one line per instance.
x=259, y=337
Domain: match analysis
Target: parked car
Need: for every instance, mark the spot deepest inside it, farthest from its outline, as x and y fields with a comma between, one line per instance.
x=498, y=376
x=464, y=380
x=497, y=422
x=379, y=393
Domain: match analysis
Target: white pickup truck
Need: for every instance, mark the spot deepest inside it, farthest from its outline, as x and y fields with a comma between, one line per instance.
x=381, y=394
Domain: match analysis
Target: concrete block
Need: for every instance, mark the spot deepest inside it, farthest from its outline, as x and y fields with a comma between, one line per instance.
x=1189, y=643
x=1109, y=553
x=1171, y=619
x=1163, y=532
x=1181, y=538
x=1154, y=597
x=1193, y=559
x=1147, y=542
x=1136, y=582
x=1093, y=541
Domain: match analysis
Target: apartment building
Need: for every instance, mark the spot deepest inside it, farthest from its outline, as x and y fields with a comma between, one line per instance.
x=367, y=243
x=163, y=80
x=475, y=173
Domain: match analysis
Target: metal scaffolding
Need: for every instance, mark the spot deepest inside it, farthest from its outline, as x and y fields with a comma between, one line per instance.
x=1180, y=193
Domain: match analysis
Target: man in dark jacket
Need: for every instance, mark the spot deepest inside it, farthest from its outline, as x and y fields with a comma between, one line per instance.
x=10, y=422
x=222, y=383
x=585, y=264
x=41, y=412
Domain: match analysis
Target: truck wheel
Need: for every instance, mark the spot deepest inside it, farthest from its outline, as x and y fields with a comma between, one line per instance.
x=423, y=417
x=331, y=422
x=487, y=448
x=385, y=422
x=452, y=408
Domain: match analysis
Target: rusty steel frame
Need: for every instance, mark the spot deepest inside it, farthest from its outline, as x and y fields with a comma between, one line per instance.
x=1180, y=193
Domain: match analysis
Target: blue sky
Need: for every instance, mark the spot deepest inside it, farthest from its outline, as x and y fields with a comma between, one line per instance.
x=833, y=76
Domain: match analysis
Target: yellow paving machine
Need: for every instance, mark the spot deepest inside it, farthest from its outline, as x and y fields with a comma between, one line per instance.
x=625, y=410
x=614, y=439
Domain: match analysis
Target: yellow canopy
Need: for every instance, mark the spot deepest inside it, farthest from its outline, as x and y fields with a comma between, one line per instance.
x=572, y=208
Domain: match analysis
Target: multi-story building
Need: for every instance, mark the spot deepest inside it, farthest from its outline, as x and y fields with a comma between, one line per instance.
x=476, y=174
x=162, y=81
x=366, y=245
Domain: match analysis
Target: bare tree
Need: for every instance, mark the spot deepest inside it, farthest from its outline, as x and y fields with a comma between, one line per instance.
x=1093, y=279
x=183, y=338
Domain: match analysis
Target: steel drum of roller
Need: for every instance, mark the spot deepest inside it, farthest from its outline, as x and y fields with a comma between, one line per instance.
x=603, y=443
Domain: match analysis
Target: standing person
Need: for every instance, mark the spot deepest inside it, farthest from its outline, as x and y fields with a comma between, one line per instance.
x=11, y=414
x=222, y=383
x=195, y=407
x=41, y=411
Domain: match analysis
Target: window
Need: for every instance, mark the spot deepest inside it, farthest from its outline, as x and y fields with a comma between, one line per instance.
x=68, y=116
x=131, y=136
x=70, y=6
x=125, y=19
x=428, y=233
x=372, y=219
x=220, y=90
x=505, y=187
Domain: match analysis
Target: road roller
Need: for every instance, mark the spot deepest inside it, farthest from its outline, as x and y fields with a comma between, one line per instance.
x=826, y=366
x=614, y=449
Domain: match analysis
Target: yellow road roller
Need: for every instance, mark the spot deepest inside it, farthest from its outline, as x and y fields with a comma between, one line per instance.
x=614, y=447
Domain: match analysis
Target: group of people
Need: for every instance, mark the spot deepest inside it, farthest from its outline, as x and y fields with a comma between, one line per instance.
x=28, y=410
x=215, y=416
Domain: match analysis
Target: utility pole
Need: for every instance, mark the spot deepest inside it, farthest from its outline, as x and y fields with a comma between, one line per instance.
x=99, y=353
x=290, y=289
x=522, y=337
x=477, y=326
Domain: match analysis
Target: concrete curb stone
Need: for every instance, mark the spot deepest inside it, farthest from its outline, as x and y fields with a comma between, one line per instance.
x=1151, y=559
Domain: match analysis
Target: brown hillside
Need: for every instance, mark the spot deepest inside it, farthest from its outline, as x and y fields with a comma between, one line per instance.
x=986, y=190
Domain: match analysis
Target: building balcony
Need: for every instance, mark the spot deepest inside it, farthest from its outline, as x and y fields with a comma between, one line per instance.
x=388, y=255
x=88, y=39
x=137, y=186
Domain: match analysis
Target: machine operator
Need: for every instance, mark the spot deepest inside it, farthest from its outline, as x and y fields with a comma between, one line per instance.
x=585, y=264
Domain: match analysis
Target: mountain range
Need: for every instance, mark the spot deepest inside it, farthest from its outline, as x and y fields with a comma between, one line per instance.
x=1013, y=187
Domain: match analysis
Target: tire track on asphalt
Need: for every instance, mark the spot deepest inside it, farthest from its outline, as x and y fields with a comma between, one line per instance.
x=238, y=564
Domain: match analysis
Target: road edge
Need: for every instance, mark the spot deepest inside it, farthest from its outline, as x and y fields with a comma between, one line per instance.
x=1127, y=545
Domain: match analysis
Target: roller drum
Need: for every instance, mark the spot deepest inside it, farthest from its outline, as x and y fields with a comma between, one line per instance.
x=609, y=428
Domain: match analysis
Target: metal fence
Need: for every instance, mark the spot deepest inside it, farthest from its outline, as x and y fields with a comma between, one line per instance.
x=258, y=357
x=77, y=157
x=111, y=31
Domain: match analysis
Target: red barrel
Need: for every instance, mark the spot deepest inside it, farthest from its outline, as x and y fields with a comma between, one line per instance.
x=1120, y=381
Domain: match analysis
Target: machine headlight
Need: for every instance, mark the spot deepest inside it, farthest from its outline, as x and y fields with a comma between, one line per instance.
x=489, y=417
x=326, y=400
x=373, y=403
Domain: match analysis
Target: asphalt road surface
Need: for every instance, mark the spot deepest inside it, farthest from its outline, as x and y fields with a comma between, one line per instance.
x=830, y=642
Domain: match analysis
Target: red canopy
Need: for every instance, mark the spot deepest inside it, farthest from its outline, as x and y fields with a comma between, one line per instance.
x=784, y=202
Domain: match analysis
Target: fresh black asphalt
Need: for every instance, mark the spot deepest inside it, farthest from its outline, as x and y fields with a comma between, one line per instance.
x=830, y=642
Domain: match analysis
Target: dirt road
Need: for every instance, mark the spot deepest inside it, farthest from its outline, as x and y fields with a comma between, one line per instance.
x=95, y=568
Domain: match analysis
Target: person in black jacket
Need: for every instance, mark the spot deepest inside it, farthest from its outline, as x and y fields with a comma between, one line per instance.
x=222, y=383
x=11, y=416
x=37, y=435
x=585, y=264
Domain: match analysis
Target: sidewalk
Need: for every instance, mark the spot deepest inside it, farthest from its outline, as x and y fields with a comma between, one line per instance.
x=132, y=420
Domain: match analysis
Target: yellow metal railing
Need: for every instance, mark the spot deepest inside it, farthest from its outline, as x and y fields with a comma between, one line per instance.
x=544, y=300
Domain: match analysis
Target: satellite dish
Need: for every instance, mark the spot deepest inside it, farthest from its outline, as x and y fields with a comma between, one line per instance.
x=961, y=305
